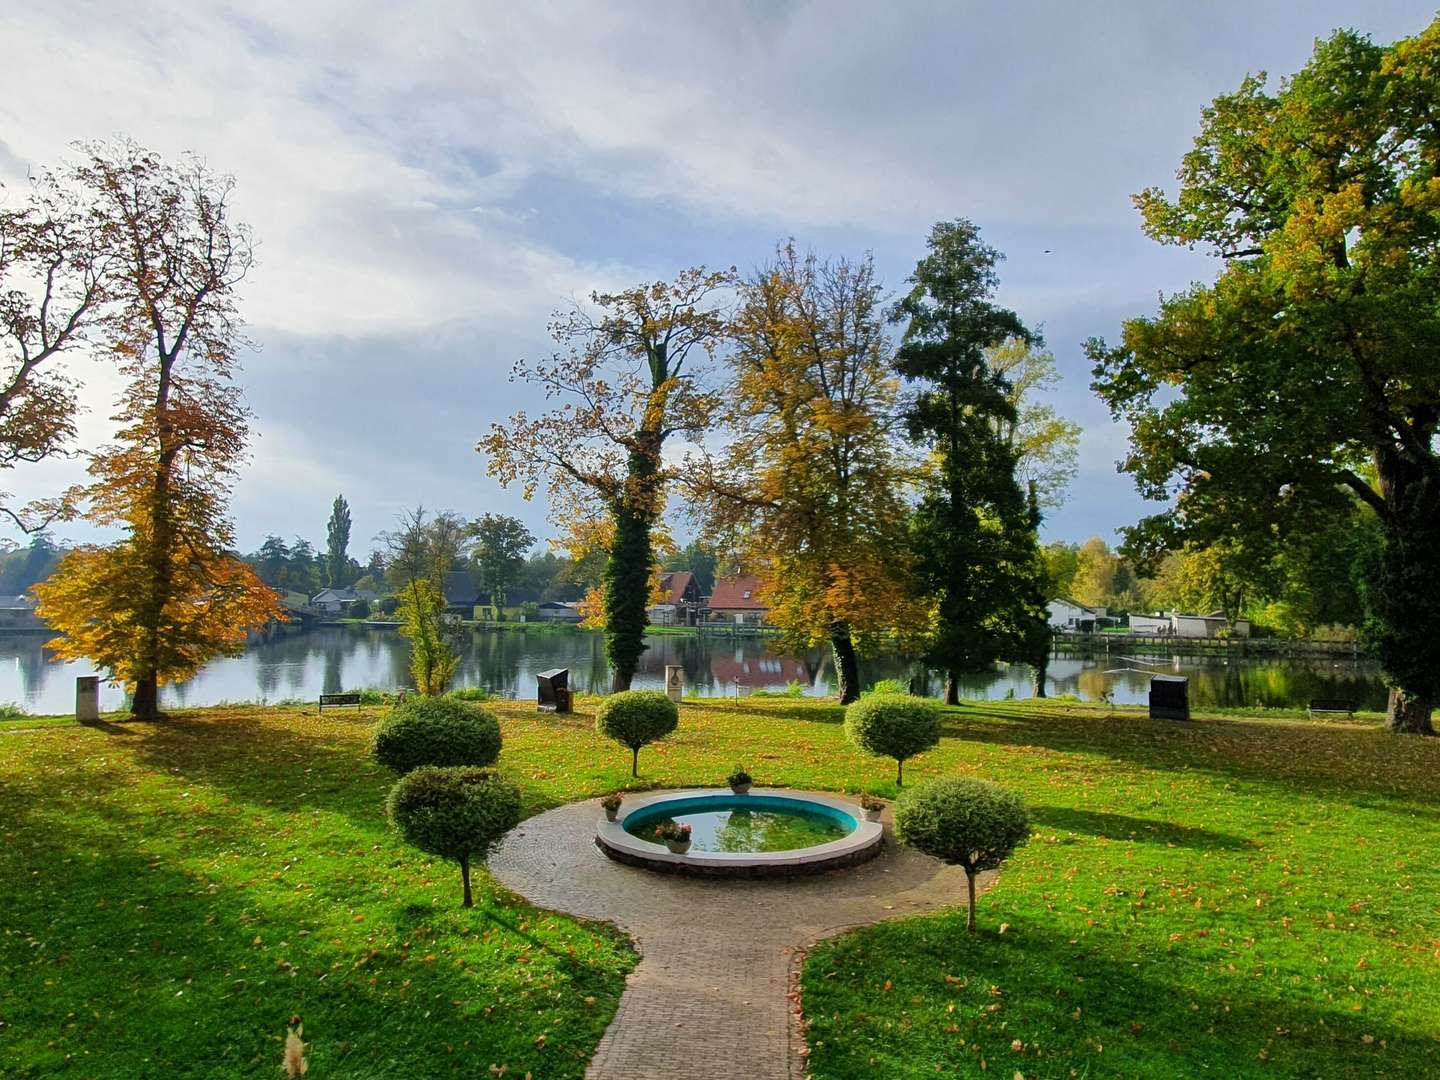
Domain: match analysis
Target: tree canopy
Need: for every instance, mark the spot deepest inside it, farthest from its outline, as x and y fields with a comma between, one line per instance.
x=1305, y=375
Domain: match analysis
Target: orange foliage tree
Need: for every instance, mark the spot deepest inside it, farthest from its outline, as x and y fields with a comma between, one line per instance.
x=810, y=491
x=156, y=605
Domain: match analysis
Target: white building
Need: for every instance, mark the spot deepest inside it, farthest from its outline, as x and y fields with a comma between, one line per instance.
x=1073, y=616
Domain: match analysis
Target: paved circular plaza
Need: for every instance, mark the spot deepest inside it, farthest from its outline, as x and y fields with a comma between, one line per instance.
x=709, y=997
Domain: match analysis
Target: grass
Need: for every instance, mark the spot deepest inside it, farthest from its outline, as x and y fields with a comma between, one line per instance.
x=1233, y=897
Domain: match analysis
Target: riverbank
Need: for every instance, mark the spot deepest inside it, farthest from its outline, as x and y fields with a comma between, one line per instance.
x=1235, y=896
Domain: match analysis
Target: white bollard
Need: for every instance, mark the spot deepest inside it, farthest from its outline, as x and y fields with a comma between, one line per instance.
x=674, y=681
x=87, y=699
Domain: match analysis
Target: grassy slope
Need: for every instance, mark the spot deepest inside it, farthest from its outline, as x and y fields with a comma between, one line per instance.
x=1202, y=894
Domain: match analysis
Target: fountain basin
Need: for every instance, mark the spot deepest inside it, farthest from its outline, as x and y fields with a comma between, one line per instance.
x=770, y=832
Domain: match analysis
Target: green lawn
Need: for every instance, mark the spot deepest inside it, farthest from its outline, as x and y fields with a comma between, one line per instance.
x=1226, y=898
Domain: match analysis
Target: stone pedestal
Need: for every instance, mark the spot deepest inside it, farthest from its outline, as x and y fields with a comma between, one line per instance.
x=674, y=682
x=87, y=699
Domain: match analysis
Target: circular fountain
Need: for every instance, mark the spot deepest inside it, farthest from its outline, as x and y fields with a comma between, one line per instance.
x=765, y=833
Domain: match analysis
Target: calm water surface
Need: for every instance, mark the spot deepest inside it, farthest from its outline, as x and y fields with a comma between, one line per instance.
x=303, y=663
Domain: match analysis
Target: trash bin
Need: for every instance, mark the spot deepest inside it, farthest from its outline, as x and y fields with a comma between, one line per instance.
x=1169, y=697
x=553, y=690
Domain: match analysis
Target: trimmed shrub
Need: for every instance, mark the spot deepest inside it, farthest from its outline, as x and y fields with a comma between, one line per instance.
x=469, y=693
x=436, y=731
x=970, y=823
x=893, y=725
x=634, y=718
x=456, y=813
x=888, y=686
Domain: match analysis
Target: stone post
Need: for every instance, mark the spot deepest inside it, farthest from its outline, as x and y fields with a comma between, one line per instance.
x=674, y=682
x=87, y=699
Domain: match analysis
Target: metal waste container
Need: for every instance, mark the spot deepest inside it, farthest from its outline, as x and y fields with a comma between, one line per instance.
x=553, y=690
x=1169, y=697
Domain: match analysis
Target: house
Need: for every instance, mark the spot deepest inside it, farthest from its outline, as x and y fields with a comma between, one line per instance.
x=462, y=596
x=18, y=613
x=681, y=605
x=1149, y=624
x=735, y=601
x=1073, y=616
x=339, y=601
x=558, y=611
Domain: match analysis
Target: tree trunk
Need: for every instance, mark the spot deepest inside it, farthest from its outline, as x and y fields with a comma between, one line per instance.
x=1408, y=715
x=970, y=883
x=1039, y=674
x=847, y=667
x=144, y=703
x=952, y=688
x=469, y=900
x=635, y=761
x=627, y=593
x=899, y=772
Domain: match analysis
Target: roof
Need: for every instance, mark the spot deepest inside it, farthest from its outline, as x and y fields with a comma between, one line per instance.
x=335, y=596
x=460, y=589
x=674, y=583
x=20, y=602
x=1073, y=603
x=739, y=593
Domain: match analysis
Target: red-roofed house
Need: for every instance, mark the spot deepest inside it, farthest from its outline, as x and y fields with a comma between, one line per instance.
x=682, y=600
x=736, y=601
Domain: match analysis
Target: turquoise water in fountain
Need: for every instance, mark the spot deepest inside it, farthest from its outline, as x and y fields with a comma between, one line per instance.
x=745, y=823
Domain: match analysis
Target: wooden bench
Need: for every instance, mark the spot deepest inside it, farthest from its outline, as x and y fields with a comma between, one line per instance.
x=335, y=700
x=1331, y=705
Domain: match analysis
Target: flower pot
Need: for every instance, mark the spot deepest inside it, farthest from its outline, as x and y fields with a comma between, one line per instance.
x=678, y=847
x=611, y=815
x=873, y=815
x=740, y=789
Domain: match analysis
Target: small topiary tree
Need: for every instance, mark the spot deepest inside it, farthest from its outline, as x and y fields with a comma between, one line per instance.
x=436, y=731
x=456, y=813
x=636, y=717
x=969, y=823
x=893, y=725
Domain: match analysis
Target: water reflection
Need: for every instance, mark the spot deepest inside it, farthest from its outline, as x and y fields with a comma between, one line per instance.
x=302, y=664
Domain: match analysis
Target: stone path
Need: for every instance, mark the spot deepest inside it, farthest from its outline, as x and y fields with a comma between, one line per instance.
x=709, y=996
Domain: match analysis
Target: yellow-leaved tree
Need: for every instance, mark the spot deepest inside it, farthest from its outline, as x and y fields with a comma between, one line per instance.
x=170, y=595
x=810, y=491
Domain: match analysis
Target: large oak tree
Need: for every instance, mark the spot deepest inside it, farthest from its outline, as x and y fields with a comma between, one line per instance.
x=1307, y=375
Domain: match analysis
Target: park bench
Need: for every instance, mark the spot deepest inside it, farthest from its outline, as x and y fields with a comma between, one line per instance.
x=1331, y=705
x=336, y=700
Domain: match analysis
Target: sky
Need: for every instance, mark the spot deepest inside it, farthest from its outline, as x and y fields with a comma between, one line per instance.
x=429, y=181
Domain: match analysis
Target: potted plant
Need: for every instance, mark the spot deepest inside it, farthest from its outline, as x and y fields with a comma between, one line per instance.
x=871, y=807
x=739, y=780
x=674, y=836
x=611, y=805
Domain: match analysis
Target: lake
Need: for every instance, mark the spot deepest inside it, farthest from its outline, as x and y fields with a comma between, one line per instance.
x=300, y=664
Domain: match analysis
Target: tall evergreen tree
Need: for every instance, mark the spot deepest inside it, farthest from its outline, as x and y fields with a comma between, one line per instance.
x=337, y=541
x=974, y=529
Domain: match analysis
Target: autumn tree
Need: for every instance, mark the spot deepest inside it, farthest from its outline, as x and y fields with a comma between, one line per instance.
x=155, y=606
x=499, y=544
x=629, y=375
x=337, y=544
x=1304, y=375
x=54, y=264
x=974, y=530
x=810, y=489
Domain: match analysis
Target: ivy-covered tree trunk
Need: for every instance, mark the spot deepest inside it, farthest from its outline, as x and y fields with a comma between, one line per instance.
x=847, y=665
x=627, y=588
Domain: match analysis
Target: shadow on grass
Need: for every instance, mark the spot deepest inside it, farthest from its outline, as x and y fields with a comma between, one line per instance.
x=1113, y=1013
x=1365, y=765
x=1125, y=827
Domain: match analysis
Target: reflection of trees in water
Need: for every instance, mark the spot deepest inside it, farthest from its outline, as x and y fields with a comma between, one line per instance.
x=299, y=662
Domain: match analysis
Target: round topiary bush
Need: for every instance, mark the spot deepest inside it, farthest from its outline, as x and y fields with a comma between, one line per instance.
x=436, y=731
x=456, y=813
x=636, y=717
x=893, y=725
x=970, y=823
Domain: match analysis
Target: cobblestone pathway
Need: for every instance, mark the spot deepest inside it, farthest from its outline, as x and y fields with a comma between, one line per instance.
x=709, y=996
